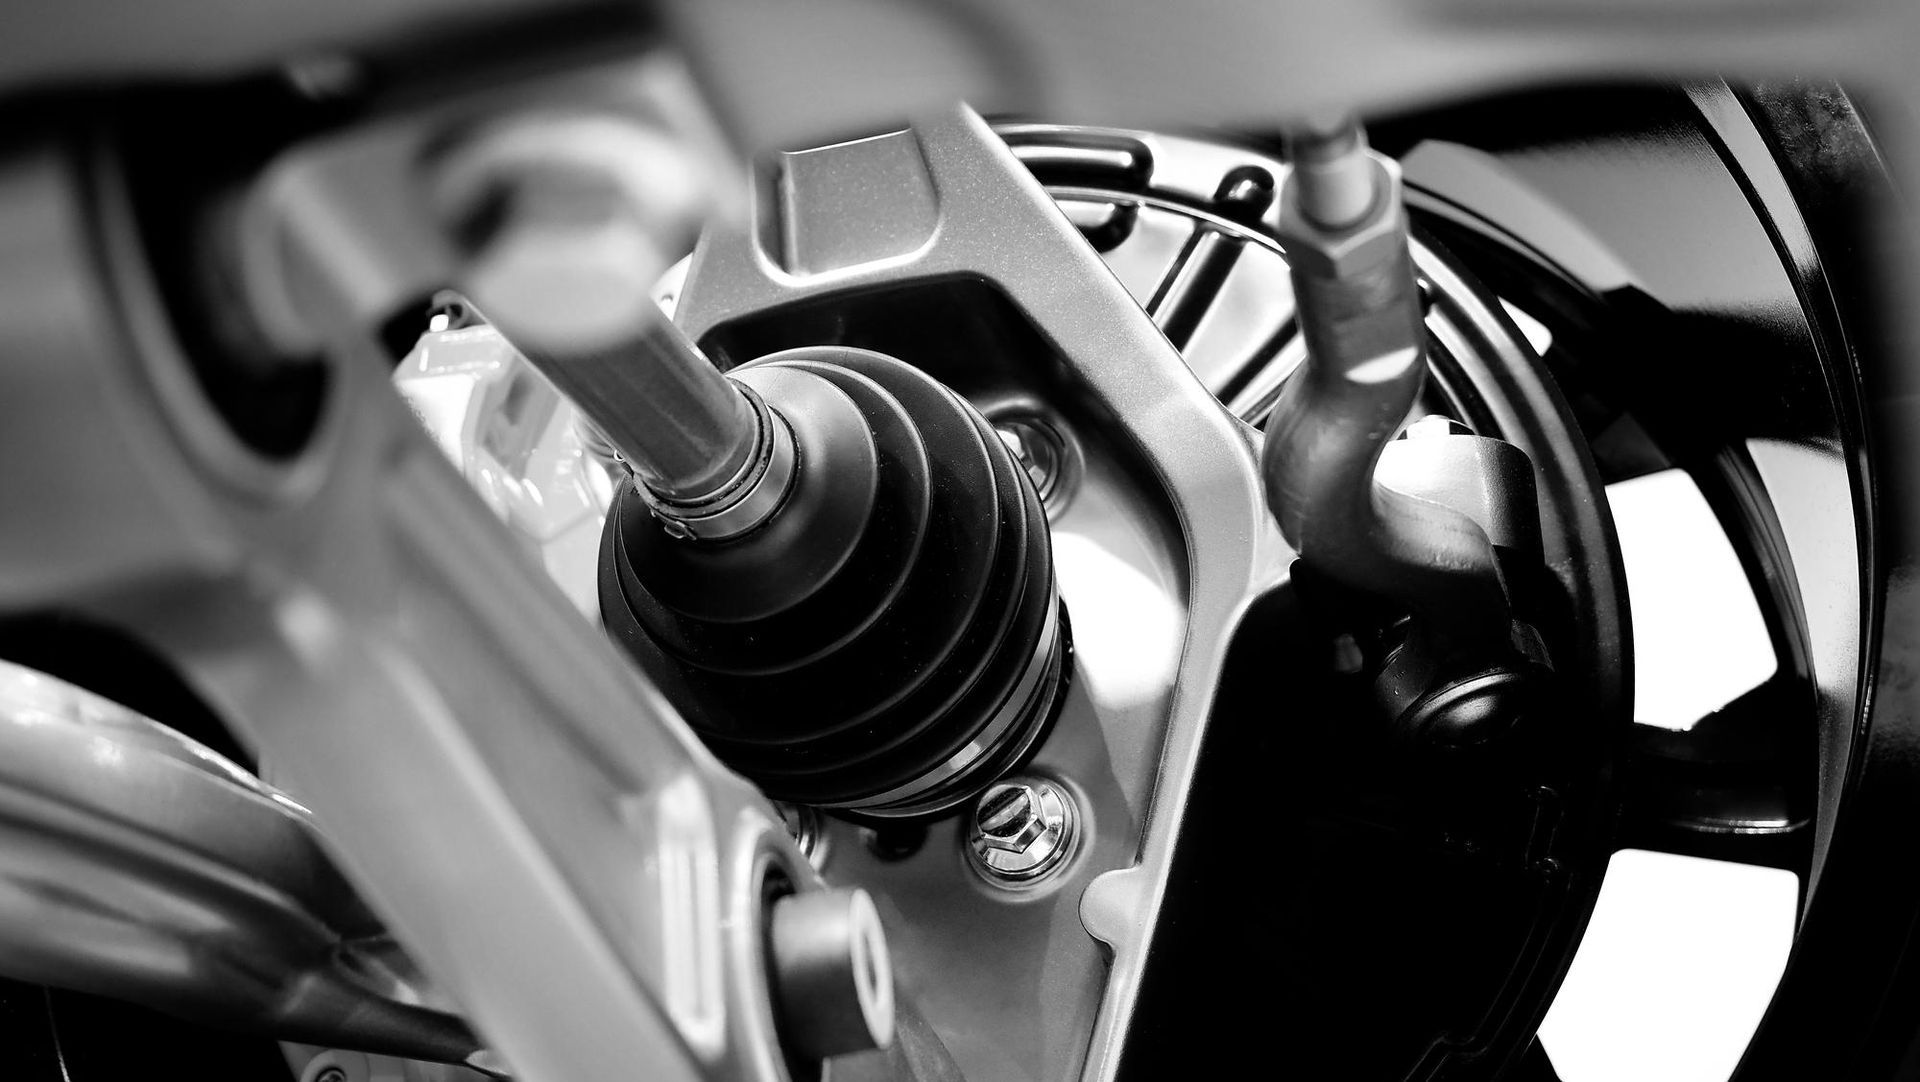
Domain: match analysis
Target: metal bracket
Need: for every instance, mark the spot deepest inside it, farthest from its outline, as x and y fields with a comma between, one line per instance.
x=973, y=213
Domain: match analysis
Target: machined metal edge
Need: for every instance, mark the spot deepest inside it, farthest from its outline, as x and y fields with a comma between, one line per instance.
x=1203, y=457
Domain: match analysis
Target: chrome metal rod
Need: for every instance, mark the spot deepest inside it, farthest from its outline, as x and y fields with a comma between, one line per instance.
x=687, y=431
x=1344, y=227
x=562, y=226
x=1333, y=177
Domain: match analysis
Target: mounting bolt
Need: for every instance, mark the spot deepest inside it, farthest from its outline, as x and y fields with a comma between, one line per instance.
x=1041, y=453
x=1333, y=177
x=809, y=830
x=1004, y=813
x=1023, y=829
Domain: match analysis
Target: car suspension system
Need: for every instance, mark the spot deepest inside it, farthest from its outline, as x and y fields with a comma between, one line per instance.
x=942, y=511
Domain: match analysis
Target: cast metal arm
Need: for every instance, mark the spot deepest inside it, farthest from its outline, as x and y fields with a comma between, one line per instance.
x=524, y=812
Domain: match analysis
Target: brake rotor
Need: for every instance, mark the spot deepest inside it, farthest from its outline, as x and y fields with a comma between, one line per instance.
x=1406, y=931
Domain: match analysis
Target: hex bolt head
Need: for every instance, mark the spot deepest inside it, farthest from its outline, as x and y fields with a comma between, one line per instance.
x=1005, y=811
x=1038, y=449
x=1023, y=829
x=1354, y=249
x=809, y=831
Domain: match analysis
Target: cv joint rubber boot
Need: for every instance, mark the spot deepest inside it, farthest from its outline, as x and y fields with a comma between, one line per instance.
x=890, y=640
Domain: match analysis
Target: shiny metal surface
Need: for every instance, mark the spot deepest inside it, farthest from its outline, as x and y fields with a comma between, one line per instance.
x=1360, y=316
x=749, y=496
x=141, y=865
x=1332, y=179
x=533, y=459
x=684, y=429
x=1124, y=575
x=1858, y=37
x=1162, y=546
x=953, y=949
x=1022, y=829
x=1188, y=226
x=808, y=828
x=1042, y=453
x=562, y=226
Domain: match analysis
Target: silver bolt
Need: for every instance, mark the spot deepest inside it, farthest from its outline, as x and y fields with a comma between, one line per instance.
x=1038, y=449
x=809, y=830
x=1005, y=811
x=1333, y=176
x=1022, y=830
